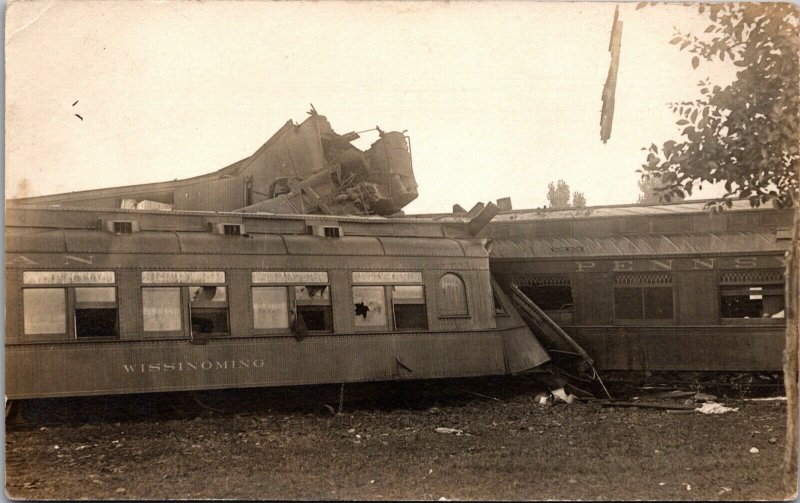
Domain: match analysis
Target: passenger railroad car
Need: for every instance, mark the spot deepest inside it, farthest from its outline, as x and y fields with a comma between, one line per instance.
x=123, y=301
x=666, y=287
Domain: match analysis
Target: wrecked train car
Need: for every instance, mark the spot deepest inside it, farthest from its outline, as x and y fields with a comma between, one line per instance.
x=304, y=168
x=128, y=301
x=663, y=287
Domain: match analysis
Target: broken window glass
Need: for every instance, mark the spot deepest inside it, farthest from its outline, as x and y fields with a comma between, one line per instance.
x=44, y=311
x=369, y=304
x=208, y=306
x=313, y=304
x=96, y=312
x=752, y=301
x=550, y=297
x=161, y=309
x=452, y=297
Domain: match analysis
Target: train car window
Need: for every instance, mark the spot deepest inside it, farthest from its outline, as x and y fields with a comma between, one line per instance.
x=752, y=295
x=452, y=296
x=208, y=308
x=550, y=297
x=313, y=304
x=408, y=304
x=387, y=277
x=552, y=293
x=68, y=277
x=161, y=309
x=369, y=304
x=44, y=311
x=270, y=307
x=185, y=277
x=288, y=277
x=643, y=297
x=96, y=312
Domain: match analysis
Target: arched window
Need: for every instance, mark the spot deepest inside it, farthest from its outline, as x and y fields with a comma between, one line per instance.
x=452, y=296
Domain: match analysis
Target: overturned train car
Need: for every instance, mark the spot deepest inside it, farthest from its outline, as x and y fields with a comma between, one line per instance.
x=128, y=301
x=663, y=287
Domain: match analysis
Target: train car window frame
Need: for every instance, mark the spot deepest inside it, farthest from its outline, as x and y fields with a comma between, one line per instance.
x=95, y=313
x=180, y=332
x=545, y=289
x=210, y=309
x=62, y=320
x=410, y=311
x=749, y=286
x=641, y=287
x=184, y=281
x=385, y=298
x=67, y=283
x=446, y=311
x=299, y=310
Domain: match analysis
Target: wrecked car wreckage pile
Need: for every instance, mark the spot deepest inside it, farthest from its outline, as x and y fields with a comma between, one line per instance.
x=280, y=269
x=249, y=276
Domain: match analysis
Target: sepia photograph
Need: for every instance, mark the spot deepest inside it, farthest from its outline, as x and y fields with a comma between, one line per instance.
x=399, y=250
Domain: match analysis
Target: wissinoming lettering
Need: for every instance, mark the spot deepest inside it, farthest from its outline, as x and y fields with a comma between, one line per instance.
x=205, y=365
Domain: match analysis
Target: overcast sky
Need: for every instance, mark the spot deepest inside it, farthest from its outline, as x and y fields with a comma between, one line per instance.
x=498, y=98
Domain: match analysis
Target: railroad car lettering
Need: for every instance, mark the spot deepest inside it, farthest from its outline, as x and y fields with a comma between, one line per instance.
x=184, y=366
x=21, y=260
x=745, y=262
x=583, y=266
x=623, y=265
x=73, y=258
x=662, y=264
x=697, y=263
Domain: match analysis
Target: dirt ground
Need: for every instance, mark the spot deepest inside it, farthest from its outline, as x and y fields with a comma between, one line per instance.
x=285, y=444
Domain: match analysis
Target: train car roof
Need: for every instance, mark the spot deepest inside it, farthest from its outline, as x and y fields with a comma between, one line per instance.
x=56, y=235
x=638, y=245
x=615, y=210
x=253, y=223
x=622, y=210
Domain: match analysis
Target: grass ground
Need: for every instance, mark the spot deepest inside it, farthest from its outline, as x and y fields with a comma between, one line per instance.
x=282, y=444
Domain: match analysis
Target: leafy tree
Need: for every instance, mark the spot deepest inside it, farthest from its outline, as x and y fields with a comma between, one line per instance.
x=746, y=134
x=558, y=194
x=578, y=200
x=649, y=184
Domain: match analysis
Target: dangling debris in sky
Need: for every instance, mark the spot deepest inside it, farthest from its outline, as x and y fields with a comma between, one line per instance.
x=607, y=114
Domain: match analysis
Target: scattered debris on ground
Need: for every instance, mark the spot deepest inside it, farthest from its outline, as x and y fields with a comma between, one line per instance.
x=715, y=408
x=385, y=445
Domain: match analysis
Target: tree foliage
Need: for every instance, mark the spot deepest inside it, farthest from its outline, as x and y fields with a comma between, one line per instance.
x=558, y=194
x=744, y=135
x=649, y=186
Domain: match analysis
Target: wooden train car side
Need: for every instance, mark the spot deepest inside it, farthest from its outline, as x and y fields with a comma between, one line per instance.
x=674, y=289
x=169, y=303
